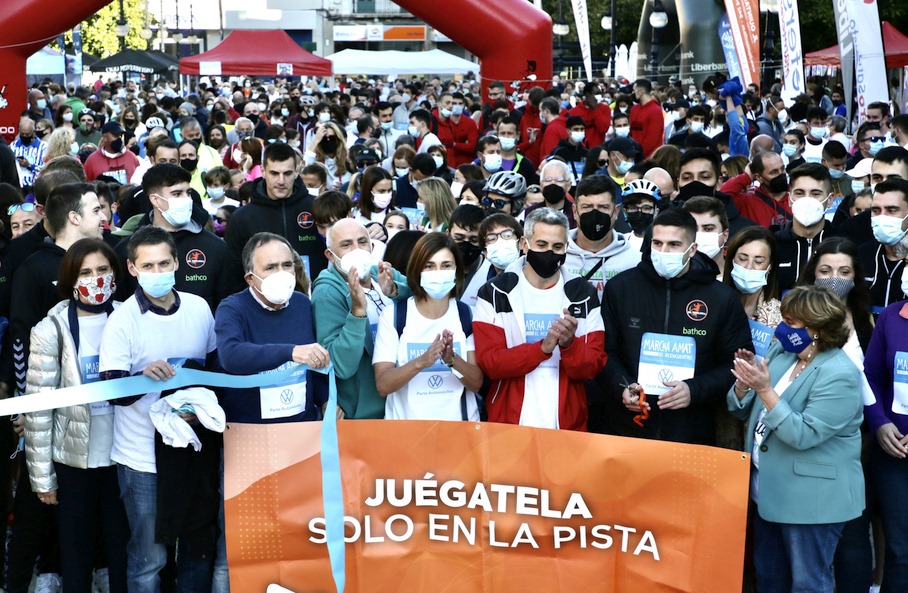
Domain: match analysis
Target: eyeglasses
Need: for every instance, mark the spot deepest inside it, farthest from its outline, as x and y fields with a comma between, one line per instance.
x=499, y=204
x=554, y=179
x=25, y=207
x=376, y=299
x=506, y=234
x=645, y=208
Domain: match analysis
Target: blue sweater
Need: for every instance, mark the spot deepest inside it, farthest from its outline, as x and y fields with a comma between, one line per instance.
x=252, y=339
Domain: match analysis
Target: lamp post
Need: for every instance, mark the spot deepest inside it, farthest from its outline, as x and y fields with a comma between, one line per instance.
x=560, y=28
x=608, y=24
x=657, y=20
x=122, y=29
x=769, y=43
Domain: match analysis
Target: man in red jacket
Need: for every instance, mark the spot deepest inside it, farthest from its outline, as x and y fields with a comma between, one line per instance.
x=531, y=126
x=458, y=133
x=647, y=119
x=555, y=126
x=596, y=115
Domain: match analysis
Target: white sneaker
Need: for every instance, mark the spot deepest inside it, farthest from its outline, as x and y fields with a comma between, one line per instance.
x=48, y=583
x=102, y=581
x=874, y=588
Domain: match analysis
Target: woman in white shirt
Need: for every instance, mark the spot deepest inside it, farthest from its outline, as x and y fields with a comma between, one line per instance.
x=424, y=357
x=375, y=196
x=328, y=147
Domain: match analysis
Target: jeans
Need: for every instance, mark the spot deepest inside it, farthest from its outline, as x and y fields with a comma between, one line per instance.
x=794, y=558
x=146, y=558
x=889, y=477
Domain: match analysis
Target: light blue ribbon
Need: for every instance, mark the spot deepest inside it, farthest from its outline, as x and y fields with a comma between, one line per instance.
x=332, y=488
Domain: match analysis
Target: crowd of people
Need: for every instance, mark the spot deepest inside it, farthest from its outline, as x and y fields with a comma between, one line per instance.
x=706, y=264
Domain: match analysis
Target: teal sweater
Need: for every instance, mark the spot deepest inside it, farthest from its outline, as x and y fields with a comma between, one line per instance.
x=349, y=342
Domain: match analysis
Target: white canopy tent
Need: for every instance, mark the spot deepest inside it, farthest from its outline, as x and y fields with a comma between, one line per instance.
x=378, y=63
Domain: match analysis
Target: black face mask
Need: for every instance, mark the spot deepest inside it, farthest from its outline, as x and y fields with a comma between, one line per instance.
x=595, y=224
x=116, y=146
x=329, y=144
x=254, y=118
x=553, y=194
x=129, y=123
x=26, y=139
x=778, y=184
x=41, y=133
x=545, y=263
x=189, y=164
x=693, y=189
x=469, y=252
x=639, y=221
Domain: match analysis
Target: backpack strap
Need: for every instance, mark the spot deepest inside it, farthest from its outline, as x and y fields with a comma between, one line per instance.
x=400, y=317
x=466, y=318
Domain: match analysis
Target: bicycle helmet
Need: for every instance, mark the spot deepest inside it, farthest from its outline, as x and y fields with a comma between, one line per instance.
x=643, y=187
x=507, y=183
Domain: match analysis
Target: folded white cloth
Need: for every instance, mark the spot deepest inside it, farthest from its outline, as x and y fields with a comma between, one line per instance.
x=175, y=431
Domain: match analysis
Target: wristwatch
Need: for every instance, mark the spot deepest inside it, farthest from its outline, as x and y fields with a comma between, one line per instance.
x=450, y=365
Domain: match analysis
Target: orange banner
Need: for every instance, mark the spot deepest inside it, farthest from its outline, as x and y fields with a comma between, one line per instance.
x=457, y=506
x=744, y=18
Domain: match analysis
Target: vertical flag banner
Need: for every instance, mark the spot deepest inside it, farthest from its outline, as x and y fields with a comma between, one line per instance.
x=488, y=508
x=846, y=53
x=793, y=83
x=581, y=19
x=728, y=47
x=869, y=61
x=744, y=20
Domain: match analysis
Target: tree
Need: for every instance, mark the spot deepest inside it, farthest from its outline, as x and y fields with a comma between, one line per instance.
x=99, y=36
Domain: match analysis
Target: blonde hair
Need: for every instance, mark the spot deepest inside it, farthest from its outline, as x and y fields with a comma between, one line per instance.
x=58, y=143
x=340, y=155
x=440, y=203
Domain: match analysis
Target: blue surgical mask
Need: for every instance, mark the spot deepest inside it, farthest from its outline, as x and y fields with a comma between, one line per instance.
x=746, y=280
x=857, y=186
x=836, y=173
x=625, y=166
x=789, y=150
x=669, y=265
x=156, y=284
x=794, y=340
x=887, y=229
x=179, y=211
x=875, y=147
x=438, y=284
x=819, y=132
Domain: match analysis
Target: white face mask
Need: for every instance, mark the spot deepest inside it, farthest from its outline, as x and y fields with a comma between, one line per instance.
x=708, y=244
x=783, y=115
x=381, y=200
x=808, y=211
x=502, y=253
x=456, y=188
x=623, y=131
x=492, y=162
x=439, y=161
x=324, y=117
x=508, y=144
x=669, y=265
x=401, y=171
x=278, y=287
x=578, y=136
x=179, y=211
x=696, y=126
x=68, y=117
x=359, y=259
x=438, y=284
x=314, y=191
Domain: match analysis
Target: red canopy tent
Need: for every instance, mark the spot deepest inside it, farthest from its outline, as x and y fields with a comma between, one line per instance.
x=895, y=47
x=256, y=53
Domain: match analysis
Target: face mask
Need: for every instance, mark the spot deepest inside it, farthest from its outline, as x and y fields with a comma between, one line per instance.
x=836, y=173
x=243, y=135
x=712, y=104
x=708, y=244
x=553, y=194
x=381, y=200
x=41, y=133
x=314, y=191
x=696, y=127
x=492, y=162
x=406, y=97
x=285, y=112
x=840, y=286
x=156, y=285
x=808, y=211
x=783, y=115
x=324, y=117
x=857, y=186
x=668, y=265
x=68, y=117
x=26, y=140
x=456, y=189
x=401, y=171
x=421, y=208
x=624, y=166
x=746, y=280
x=386, y=125
x=278, y=287
x=545, y=263
x=189, y=164
x=639, y=221
x=789, y=150
x=116, y=146
x=595, y=224
x=578, y=137
x=74, y=148
x=623, y=131
x=216, y=193
x=778, y=184
x=875, y=147
x=675, y=115
x=219, y=228
x=819, y=132
x=253, y=117
x=95, y=289
x=794, y=340
x=469, y=252
x=359, y=259
x=330, y=144
x=502, y=253
x=438, y=284
x=179, y=211
x=439, y=161
x=508, y=144
x=457, y=110
x=42, y=104
x=446, y=112
x=887, y=229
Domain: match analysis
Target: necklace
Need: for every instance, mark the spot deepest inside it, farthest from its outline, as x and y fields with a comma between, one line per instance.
x=804, y=363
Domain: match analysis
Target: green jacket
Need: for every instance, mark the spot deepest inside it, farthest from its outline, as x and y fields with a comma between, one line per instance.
x=349, y=340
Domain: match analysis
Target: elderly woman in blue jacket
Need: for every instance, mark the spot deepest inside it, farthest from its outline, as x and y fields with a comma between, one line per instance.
x=804, y=411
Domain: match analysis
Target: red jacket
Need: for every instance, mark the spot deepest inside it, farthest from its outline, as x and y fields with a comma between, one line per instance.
x=754, y=204
x=120, y=167
x=459, y=138
x=555, y=131
x=597, y=122
x=497, y=325
x=648, y=126
x=529, y=120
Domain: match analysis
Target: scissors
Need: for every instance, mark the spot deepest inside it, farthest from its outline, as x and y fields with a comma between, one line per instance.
x=639, y=393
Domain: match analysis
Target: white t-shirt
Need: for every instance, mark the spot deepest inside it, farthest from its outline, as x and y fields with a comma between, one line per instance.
x=813, y=153
x=100, y=431
x=540, y=310
x=435, y=393
x=376, y=303
x=428, y=141
x=130, y=342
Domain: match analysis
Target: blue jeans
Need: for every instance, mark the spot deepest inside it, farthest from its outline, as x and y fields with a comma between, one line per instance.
x=145, y=557
x=794, y=558
x=889, y=477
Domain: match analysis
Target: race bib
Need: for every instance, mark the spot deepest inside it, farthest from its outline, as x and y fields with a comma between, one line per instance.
x=284, y=399
x=900, y=384
x=762, y=338
x=435, y=390
x=90, y=374
x=665, y=358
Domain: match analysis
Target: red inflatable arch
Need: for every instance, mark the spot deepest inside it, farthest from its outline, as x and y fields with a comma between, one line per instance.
x=512, y=38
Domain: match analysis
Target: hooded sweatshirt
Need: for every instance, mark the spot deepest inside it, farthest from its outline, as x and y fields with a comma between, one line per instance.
x=616, y=257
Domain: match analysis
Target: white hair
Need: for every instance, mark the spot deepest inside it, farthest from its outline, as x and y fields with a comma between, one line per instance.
x=568, y=174
x=544, y=216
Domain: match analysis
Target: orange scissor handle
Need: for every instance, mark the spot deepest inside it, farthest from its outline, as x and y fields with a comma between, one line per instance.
x=644, y=411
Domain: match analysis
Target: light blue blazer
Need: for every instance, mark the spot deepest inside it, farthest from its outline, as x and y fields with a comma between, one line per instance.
x=810, y=458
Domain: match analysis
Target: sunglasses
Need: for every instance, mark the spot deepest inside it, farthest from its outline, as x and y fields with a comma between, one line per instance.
x=498, y=204
x=25, y=207
x=875, y=139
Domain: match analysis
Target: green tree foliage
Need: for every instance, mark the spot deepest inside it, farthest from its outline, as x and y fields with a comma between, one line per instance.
x=627, y=19
x=99, y=36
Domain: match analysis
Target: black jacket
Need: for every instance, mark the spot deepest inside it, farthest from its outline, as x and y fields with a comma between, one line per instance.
x=291, y=218
x=573, y=155
x=794, y=251
x=9, y=170
x=637, y=301
x=883, y=276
